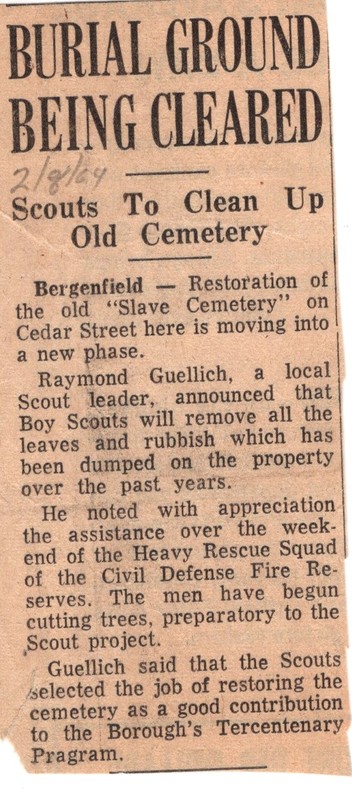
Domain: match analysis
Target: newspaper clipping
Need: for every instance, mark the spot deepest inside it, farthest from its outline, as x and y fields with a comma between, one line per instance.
x=173, y=534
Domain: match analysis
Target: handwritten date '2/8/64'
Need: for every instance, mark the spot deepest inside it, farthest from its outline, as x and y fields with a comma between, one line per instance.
x=52, y=178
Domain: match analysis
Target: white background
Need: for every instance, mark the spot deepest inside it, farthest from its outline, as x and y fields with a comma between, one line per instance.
x=14, y=782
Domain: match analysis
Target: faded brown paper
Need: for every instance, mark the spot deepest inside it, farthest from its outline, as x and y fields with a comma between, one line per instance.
x=173, y=546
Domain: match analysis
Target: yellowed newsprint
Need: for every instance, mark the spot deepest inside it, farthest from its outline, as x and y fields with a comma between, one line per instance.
x=173, y=537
